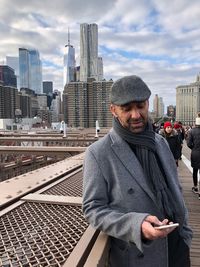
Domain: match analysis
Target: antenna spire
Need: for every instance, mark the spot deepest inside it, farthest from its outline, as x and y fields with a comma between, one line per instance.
x=68, y=37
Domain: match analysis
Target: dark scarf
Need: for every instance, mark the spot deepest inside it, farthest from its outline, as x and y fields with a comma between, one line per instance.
x=143, y=145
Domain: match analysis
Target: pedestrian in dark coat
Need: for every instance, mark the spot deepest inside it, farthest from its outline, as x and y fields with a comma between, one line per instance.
x=173, y=140
x=193, y=142
x=181, y=134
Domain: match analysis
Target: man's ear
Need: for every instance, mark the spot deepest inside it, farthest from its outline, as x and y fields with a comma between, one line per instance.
x=112, y=109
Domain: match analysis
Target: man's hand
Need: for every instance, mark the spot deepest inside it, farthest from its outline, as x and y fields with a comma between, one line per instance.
x=148, y=231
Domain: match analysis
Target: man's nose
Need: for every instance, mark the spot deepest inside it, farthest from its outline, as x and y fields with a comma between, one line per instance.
x=135, y=114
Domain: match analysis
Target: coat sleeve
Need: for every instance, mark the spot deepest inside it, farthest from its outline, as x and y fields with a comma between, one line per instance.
x=190, y=140
x=98, y=211
x=178, y=147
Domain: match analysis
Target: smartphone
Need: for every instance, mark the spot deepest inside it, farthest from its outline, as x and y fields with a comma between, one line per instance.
x=166, y=226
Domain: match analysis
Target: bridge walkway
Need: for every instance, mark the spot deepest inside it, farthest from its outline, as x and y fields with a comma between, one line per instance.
x=50, y=230
x=193, y=204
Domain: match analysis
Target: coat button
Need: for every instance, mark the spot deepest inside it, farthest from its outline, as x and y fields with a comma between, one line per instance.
x=130, y=191
x=140, y=255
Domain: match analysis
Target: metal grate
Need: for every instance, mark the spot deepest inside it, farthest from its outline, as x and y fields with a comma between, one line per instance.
x=39, y=235
x=69, y=187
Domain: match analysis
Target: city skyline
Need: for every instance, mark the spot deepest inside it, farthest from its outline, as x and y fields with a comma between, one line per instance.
x=155, y=40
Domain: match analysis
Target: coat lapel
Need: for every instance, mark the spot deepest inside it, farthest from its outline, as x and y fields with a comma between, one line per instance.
x=130, y=162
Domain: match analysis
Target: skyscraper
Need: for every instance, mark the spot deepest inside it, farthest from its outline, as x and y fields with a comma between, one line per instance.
x=24, y=68
x=86, y=102
x=13, y=62
x=188, y=102
x=158, y=106
x=35, y=71
x=7, y=76
x=69, y=63
x=88, y=51
x=47, y=87
x=100, y=68
x=8, y=101
x=30, y=70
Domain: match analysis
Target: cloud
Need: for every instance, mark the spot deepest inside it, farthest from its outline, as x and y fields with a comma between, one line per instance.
x=154, y=39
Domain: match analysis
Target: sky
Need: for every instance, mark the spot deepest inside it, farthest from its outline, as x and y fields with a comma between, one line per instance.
x=158, y=40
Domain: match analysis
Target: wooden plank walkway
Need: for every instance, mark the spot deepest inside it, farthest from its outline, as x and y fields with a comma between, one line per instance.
x=193, y=205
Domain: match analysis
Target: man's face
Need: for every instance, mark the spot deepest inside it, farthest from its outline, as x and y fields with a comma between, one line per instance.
x=132, y=116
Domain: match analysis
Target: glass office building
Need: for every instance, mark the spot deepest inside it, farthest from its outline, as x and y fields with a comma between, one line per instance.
x=7, y=76
x=30, y=70
x=13, y=62
x=35, y=71
x=69, y=64
x=24, y=67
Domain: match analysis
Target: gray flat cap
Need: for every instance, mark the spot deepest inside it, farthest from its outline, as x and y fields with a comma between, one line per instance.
x=129, y=89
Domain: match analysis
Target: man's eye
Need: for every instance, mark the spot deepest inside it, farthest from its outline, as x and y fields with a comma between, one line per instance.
x=126, y=109
x=140, y=105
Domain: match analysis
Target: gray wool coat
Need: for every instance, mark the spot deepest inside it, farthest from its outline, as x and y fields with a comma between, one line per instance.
x=116, y=200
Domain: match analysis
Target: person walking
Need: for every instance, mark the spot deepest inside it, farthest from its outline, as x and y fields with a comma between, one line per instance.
x=181, y=134
x=173, y=140
x=193, y=142
x=130, y=185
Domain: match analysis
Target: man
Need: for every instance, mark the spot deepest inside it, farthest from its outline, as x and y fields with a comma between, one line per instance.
x=131, y=185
